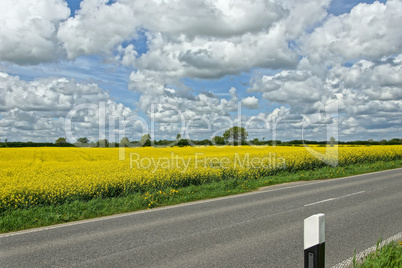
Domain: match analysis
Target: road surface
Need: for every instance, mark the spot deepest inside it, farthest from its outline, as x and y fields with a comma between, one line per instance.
x=259, y=229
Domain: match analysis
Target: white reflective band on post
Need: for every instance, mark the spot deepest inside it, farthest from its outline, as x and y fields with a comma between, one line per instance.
x=314, y=230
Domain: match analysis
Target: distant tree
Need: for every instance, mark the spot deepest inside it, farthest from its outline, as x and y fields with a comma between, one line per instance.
x=165, y=142
x=178, y=137
x=332, y=141
x=256, y=141
x=370, y=140
x=235, y=134
x=383, y=142
x=183, y=142
x=83, y=140
x=61, y=141
x=145, y=140
x=205, y=142
x=103, y=143
x=394, y=141
x=113, y=144
x=218, y=140
x=124, y=142
x=93, y=144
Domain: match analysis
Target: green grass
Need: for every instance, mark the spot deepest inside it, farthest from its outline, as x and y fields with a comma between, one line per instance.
x=387, y=256
x=14, y=220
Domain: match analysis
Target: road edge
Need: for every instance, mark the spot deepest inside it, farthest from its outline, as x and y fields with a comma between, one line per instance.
x=349, y=262
x=276, y=187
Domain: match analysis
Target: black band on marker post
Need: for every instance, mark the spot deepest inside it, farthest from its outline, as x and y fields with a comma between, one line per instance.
x=314, y=241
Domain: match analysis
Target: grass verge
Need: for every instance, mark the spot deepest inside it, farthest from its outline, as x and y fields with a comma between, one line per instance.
x=387, y=256
x=14, y=220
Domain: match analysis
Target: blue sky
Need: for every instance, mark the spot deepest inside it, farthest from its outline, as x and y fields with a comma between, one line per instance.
x=341, y=7
x=280, y=63
x=335, y=8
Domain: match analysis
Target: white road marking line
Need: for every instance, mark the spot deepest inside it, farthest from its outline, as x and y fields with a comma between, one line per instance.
x=331, y=199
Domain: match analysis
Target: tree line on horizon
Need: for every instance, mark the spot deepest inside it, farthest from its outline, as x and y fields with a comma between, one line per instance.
x=233, y=136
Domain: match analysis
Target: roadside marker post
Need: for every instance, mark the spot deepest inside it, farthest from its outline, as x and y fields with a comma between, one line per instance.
x=314, y=241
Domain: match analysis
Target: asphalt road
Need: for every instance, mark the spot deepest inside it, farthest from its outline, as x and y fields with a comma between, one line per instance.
x=259, y=229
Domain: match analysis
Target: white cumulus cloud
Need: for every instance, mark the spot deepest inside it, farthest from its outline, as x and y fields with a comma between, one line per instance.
x=97, y=28
x=28, y=30
x=250, y=102
x=369, y=30
x=42, y=106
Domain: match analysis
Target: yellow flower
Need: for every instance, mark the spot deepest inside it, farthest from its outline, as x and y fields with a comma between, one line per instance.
x=35, y=176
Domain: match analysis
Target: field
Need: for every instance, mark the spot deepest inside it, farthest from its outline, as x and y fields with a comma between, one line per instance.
x=32, y=177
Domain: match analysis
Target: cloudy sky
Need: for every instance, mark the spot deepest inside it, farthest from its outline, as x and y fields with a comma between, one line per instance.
x=288, y=69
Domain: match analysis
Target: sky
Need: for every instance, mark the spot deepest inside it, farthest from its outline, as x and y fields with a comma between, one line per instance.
x=290, y=69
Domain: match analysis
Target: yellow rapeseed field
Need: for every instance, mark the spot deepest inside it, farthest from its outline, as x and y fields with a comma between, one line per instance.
x=43, y=176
